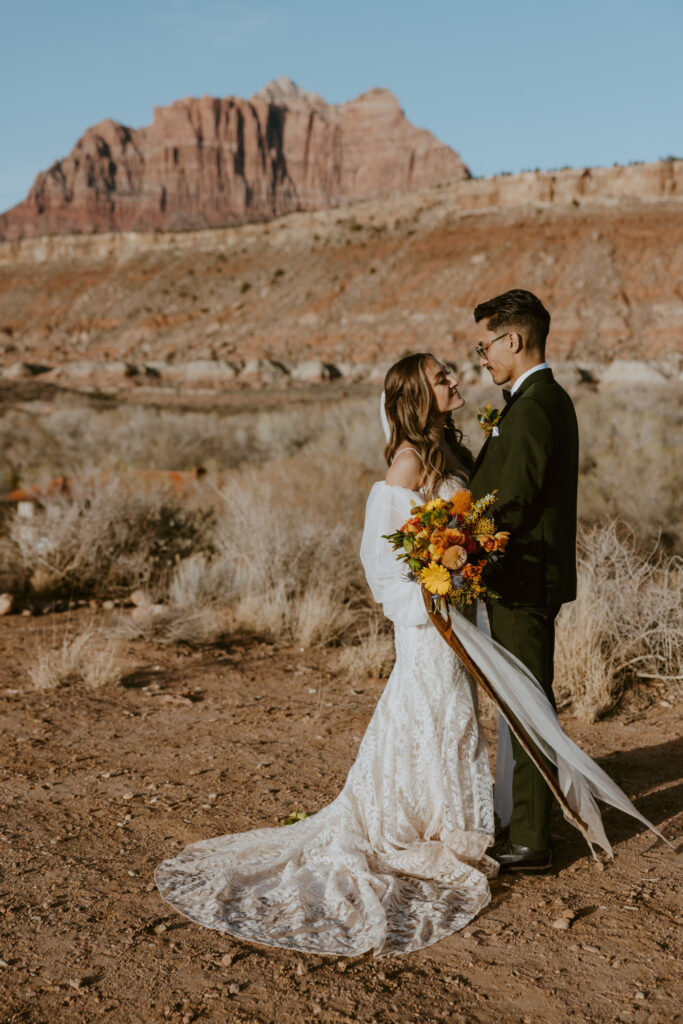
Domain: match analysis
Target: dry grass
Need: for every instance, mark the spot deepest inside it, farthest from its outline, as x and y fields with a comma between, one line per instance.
x=275, y=552
x=84, y=440
x=632, y=460
x=174, y=624
x=370, y=654
x=626, y=624
x=83, y=658
x=103, y=541
x=281, y=560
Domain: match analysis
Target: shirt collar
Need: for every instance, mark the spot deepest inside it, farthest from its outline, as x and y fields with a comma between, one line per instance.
x=520, y=380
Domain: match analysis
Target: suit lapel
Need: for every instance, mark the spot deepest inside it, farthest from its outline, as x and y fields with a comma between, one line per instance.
x=535, y=378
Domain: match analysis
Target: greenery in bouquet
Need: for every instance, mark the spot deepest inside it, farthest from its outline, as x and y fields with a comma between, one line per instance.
x=450, y=546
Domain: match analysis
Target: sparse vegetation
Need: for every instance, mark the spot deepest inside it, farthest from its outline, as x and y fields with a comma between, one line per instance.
x=272, y=549
x=626, y=624
x=84, y=658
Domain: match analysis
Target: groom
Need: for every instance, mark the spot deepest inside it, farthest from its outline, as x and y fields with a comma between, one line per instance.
x=531, y=458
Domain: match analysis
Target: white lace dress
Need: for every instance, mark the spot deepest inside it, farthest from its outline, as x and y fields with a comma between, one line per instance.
x=397, y=861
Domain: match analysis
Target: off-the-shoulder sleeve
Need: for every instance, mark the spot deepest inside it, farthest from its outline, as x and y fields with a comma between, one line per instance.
x=387, y=509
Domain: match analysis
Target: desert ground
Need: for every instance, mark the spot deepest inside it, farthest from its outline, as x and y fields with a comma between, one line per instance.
x=99, y=786
x=130, y=730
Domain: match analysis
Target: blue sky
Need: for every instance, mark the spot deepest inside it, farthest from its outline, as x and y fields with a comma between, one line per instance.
x=509, y=85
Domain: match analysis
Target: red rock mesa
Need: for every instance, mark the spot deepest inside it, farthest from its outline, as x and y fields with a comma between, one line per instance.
x=211, y=162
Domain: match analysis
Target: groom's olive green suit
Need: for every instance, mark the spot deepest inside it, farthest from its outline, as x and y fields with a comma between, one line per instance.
x=533, y=464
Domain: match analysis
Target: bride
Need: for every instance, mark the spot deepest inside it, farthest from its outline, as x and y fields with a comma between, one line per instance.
x=398, y=860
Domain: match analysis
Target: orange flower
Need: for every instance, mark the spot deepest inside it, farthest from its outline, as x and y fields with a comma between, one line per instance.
x=488, y=542
x=443, y=538
x=454, y=557
x=460, y=502
x=472, y=572
x=451, y=536
x=502, y=538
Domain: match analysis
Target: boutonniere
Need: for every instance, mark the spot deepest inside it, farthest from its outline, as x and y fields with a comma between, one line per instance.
x=488, y=418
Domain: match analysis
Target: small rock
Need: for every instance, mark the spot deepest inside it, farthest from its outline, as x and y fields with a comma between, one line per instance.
x=79, y=983
x=6, y=604
x=17, y=371
x=142, y=613
x=313, y=370
x=639, y=995
x=226, y=960
x=234, y=988
x=562, y=924
x=300, y=969
x=27, y=612
x=108, y=605
x=160, y=929
x=139, y=598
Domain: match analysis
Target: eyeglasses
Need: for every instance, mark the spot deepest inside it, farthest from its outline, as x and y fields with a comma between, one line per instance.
x=481, y=350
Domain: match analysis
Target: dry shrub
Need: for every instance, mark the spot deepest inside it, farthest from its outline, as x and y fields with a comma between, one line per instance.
x=282, y=561
x=104, y=540
x=83, y=658
x=83, y=439
x=370, y=654
x=174, y=624
x=290, y=533
x=632, y=459
x=625, y=625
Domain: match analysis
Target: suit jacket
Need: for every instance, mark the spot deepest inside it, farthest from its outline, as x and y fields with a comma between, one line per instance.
x=533, y=463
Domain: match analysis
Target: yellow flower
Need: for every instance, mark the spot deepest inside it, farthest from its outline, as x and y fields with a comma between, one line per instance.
x=435, y=503
x=484, y=525
x=454, y=557
x=435, y=579
x=460, y=502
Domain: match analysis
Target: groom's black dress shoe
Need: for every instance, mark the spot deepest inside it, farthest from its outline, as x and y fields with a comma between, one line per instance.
x=514, y=857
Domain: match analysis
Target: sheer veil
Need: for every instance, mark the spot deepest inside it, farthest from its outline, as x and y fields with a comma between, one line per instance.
x=383, y=417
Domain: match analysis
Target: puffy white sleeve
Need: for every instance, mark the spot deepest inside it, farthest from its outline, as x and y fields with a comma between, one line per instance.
x=387, y=509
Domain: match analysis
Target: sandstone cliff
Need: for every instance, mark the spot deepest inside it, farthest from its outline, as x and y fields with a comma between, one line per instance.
x=212, y=162
x=363, y=284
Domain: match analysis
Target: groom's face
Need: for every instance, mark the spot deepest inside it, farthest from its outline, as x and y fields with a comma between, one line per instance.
x=498, y=356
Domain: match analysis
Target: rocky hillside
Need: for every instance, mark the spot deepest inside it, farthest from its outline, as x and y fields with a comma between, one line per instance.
x=210, y=162
x=361, y=284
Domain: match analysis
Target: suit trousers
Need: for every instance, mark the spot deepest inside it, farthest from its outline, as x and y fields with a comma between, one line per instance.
x=528, y=632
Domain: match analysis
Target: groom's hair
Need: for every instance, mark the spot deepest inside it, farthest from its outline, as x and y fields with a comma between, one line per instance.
x=517, y=308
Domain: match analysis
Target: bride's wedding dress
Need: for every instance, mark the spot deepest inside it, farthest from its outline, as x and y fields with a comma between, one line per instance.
x=397, y=861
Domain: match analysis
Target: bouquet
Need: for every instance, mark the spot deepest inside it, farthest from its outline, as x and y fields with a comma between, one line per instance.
x=449, y=546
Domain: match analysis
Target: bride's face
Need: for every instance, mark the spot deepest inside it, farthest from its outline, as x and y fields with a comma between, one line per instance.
x=444, y=384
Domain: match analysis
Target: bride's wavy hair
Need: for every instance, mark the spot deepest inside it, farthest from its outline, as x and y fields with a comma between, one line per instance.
x=413, y=416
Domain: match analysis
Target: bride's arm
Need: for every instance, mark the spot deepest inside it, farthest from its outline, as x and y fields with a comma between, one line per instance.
x=388, y=508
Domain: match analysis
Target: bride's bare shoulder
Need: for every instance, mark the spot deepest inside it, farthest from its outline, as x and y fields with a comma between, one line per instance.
x=405, y=470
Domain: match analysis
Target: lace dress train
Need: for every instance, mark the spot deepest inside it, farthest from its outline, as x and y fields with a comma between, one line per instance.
x=397, y=861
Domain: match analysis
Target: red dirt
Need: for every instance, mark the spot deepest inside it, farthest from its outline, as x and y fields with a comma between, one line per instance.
x=99, y=786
